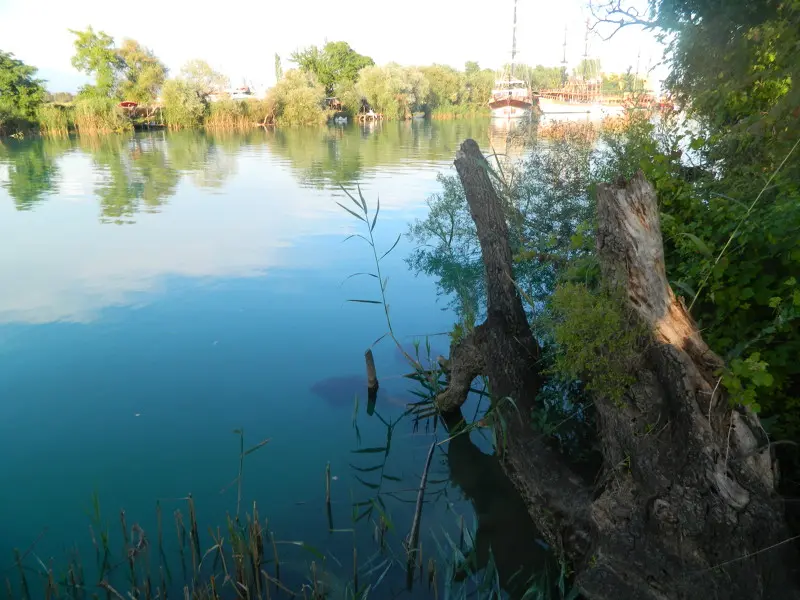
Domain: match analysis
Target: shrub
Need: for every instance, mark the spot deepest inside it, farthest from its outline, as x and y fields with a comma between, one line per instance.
x=598, y=341
x=55, y=119
x=184, y=104
x=299, y=99
x=100, y=115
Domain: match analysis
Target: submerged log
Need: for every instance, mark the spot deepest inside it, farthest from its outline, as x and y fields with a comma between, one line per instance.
x=686, y=505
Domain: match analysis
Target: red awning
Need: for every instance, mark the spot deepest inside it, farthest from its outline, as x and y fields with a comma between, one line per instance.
x=128, y=104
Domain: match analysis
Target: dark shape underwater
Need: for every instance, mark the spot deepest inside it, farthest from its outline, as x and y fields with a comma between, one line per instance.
x=340, y=392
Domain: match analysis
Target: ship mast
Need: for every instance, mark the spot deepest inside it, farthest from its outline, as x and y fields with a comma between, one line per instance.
x=564, y=60
x=513, y=45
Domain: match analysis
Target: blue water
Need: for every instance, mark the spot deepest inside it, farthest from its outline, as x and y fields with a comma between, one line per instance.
x=159, y=291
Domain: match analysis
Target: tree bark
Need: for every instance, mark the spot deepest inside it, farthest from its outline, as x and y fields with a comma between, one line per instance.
x=685, y=506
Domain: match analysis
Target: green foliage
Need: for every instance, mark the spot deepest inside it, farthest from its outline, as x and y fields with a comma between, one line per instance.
x=143, y=74
x=278, y=68
x=55, y=119
x=337, y=63
x=539, y=77
x=298, y=99
x=393, y=90
x=94, y=114
x=742, y=378
x=238, y=114
x=184, y=103
x=32, y=169
x=597, y=341
x=202, y=78
x=95, y=55
x=20, y=92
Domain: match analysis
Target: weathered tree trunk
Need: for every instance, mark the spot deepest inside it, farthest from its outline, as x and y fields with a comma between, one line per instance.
x=685, y=506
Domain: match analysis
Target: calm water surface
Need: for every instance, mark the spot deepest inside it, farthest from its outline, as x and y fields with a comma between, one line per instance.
x=159, y=291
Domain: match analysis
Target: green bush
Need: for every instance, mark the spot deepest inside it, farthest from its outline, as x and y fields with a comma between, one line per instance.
x=298, y=99
x=55, y=119
x=599, y=342
x=184, y=104
x=238, y=114
x=95, y=115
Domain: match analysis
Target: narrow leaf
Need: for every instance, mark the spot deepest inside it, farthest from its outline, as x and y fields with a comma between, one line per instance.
x=372, y=486
x=367, y=469
x=375, y=218
x=257, y=446
x=369, y=450
x=699, y=244
x=349, y=195
x=361, y=196
x=365, y=301
x=397, y=241
x=357, y=274
x=375, y=343
x=391, y=477
x=356, y=215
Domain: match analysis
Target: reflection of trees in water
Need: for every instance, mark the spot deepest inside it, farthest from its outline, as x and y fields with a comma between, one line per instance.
x=208, y=159
x=136, y=173
x=32, y=167
x=331, y=156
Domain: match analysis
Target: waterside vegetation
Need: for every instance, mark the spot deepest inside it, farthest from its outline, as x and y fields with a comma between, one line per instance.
x=334, y=80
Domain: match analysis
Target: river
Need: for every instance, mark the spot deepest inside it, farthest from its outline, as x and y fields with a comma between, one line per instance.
x=160, y=292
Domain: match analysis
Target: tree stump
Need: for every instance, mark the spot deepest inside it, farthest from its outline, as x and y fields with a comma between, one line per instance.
x=686, y=505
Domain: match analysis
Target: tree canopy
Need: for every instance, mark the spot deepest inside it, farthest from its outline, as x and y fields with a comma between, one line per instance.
x=203, y=77
x=95, y=55
x=336, y=63
x=143, y=73
x=20, y=91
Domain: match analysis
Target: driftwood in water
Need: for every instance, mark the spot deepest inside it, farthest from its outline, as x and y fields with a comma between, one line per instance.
x=685, y=509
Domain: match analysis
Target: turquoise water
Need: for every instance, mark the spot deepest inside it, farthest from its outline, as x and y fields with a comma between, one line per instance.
x=159, y=291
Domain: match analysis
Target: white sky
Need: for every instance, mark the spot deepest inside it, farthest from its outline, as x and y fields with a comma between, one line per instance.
x=241, y=38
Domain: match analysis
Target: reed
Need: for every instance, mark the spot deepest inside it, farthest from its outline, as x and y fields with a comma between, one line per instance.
x=55, y=119
x=93, y=116
x=239, y=114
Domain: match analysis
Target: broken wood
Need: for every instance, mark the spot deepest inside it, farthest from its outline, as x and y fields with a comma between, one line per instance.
x=685, y=509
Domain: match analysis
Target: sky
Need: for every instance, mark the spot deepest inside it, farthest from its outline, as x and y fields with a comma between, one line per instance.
x=241, y=38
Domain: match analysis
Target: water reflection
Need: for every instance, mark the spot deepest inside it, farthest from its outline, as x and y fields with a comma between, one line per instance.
x=31, y=169
x=329, y=157
x=504, y=529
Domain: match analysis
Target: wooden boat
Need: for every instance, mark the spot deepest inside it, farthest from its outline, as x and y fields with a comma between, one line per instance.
x=511, y=98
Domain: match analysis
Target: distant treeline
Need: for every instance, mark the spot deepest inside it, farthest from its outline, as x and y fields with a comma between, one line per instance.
x=328, y=80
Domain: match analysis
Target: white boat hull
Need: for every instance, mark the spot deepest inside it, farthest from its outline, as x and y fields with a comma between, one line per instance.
x=558, y=108
x=510, y=112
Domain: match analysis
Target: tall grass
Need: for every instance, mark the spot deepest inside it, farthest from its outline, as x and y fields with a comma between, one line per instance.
x=55, y=119
x=459, y=111
x=100, y=115
x=239, y=114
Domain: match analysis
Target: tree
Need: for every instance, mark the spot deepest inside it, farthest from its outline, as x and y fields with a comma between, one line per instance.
x=143, y=73
x=95, y=55
x=278, y=68
x=20, y=91
x=298, y=99
x=203, y=78
x=588, y=68
x=685, y=495
x=445, y=85
x=471, y=67
x=336, y=63
x=393, y=90
x=184, y=103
